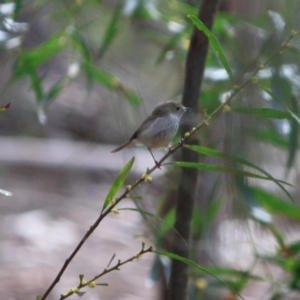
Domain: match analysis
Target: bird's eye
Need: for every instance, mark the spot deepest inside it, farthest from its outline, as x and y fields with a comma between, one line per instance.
x=178, y=108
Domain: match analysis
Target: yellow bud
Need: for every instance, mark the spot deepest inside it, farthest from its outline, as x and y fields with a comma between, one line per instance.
x=115, y=211
x=112, y=201
x=261, y=66
x=74, y=289
x=254, y=79
x=92, y=284
x=147, y=178
x=201, y=284
x=206, y=121
x=226, y=108
x=187, y=134
x=83, y=281
x=128, y=188
x=294, y=32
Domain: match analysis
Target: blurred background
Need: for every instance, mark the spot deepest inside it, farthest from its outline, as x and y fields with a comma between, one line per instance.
x=80, y=76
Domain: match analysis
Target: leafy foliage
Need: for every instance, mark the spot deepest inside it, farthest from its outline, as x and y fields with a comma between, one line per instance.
x=238, y=144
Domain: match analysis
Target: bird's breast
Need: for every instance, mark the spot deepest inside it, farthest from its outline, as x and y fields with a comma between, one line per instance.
x=160, y=133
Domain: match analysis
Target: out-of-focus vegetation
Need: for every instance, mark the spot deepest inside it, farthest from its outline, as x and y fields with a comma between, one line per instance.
x=246, y=218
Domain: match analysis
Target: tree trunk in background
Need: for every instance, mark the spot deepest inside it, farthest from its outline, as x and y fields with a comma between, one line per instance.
x=188, y=180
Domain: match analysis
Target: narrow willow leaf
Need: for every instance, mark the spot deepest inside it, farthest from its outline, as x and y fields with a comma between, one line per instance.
x=111, y=82
x=262, y=112
x=112, y=258
x=31, y=59
x=275, y=204
x=270, y=136
x=274, y=97
x=213, y=210
x=218, y=271
x=18, y=7
x=215, y=168
x=294, y=248
x=196, y=266
x=215, y=45
x=293, y=142
x=118, y=183
x=167, y=222
x=293, y=135
x=37, y=85
x=156, y=271
x=215, y=153
x=112, y=28
x=80, y=294
x=81, y=278
x=294, y=116
x=38, y=297
x=79, y=44
x=52, y=93
x=102, y=284
x=173, y=43
x=104, y=78
x=132, y=97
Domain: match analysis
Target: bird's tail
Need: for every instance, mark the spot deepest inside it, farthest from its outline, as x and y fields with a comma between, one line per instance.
x=121, y=147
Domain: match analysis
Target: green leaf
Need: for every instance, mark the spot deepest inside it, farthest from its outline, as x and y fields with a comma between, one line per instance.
x=104, y=78
x=112, y=258
x=81, y=278
x=173, y=43
x=194, y=265
x=18, y=7
x=102, y=284
x=80, y=294
x=263, y=112
x=167, y=222
x=270, y=136
x=293, y=135
x=215, y=45
x=215, y=168
x=53, y=93
x=230, y=272
x=294, y=248
x=29, y=60
x=36, y=84
x=276, y=205
x=215, y=153
x=277, y=99
x=112, y=28
x=118, y=183
x=293, y=115
x=111, y=82
x=39, y=297
x=213, y=210
x=79, y=43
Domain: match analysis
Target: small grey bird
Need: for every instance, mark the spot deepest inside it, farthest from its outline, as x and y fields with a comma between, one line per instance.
x=159, y=128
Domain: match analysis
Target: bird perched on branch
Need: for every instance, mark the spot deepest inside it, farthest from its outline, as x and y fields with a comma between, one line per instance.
x=159, y=128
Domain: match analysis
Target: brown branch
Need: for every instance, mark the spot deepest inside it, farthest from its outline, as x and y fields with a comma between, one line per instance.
x=107, y=270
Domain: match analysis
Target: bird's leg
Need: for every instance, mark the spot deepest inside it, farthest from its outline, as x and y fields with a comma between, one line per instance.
x=156, y=162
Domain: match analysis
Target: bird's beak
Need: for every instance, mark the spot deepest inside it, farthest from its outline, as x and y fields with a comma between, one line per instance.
x=186, y=109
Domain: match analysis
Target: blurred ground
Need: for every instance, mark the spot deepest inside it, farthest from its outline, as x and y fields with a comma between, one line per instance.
x=57, y=195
